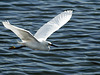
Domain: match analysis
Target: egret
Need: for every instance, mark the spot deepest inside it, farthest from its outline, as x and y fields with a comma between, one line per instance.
x=38, y=41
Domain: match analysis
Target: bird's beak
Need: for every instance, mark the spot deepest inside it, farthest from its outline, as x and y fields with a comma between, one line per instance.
x=53, y=45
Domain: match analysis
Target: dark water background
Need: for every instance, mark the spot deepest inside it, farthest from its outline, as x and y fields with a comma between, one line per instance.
x=79, y=39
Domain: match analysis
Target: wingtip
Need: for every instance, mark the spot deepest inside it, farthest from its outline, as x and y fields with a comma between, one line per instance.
x=5, y=22
x=68, y=12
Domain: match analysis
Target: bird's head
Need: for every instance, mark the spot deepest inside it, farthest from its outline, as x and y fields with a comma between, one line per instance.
x=50, y=44
x=45, y=45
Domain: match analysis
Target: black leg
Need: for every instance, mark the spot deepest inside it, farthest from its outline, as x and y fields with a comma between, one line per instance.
x=13, y=47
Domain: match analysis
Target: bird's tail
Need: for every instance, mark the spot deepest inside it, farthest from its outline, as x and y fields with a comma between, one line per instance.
x=22, y=43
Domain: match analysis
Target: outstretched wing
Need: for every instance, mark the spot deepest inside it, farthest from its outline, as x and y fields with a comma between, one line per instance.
x=24, y=35
x=47, y=29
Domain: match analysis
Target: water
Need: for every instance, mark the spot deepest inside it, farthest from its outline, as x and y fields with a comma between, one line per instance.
x=79, y=40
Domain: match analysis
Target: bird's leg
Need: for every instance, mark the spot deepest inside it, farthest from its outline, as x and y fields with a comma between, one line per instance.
x=13, y=47
x=36, y=49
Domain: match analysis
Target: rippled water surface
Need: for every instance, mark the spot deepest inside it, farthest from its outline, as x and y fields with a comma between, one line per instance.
x=78, y=40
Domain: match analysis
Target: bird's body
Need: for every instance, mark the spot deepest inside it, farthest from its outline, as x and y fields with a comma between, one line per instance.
x=36, y=45
x=38, y=41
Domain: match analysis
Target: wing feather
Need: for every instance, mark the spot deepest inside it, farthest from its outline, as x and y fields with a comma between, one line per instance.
x=23, y=34
x=47, y=29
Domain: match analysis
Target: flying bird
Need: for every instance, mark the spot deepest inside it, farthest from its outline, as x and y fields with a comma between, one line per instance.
x=38, y=41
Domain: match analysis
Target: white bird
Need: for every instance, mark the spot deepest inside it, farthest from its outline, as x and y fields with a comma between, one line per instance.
x=38, y=41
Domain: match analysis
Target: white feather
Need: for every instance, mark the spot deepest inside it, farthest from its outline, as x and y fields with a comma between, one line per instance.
x=23, y=34
x=47, y=29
